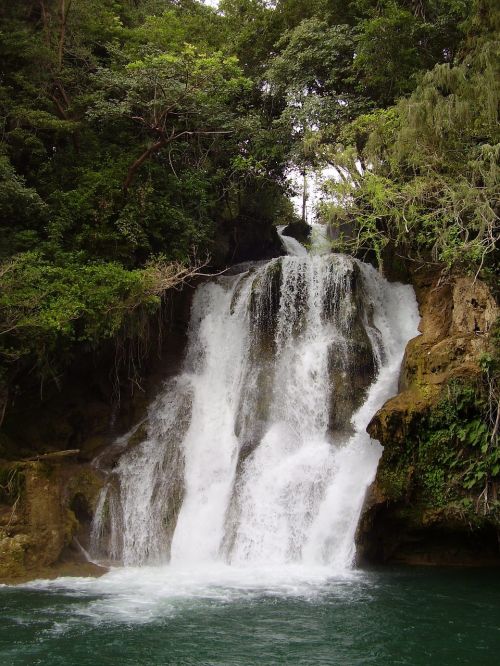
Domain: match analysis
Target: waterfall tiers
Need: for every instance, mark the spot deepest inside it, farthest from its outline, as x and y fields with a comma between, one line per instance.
x=256, y=452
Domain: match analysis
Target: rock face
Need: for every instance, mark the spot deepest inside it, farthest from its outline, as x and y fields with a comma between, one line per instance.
x=43, y=507
x=434, y=500
x=301, y=231
x=352, y=376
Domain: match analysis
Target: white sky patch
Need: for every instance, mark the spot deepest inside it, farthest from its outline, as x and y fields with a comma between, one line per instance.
x=315, y=182
x=314, y=193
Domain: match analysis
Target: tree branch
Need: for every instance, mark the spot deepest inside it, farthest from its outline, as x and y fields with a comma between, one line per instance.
x=158, y=145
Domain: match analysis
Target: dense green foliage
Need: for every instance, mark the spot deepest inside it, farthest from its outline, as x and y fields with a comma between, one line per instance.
x=424, y=173
x=138, y=135
x=452, y=460
x=131, y=139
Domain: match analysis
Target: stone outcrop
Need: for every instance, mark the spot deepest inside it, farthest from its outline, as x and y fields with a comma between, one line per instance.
x=411, y=515
x=301, y=231
x=45, y=506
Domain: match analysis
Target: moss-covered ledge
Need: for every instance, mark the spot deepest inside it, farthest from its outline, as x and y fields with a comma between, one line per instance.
x=44, y=505
x=435, y=499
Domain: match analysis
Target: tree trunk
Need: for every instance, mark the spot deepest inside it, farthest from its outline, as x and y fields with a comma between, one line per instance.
x=304, y=196
x=161, y=143
x=64, y=7
x=140, y=161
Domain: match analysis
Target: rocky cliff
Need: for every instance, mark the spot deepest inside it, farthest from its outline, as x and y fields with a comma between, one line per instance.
x=434, y=500
x=45, y=505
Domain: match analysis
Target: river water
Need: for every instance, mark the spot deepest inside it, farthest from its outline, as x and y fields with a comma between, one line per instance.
x=225, y=617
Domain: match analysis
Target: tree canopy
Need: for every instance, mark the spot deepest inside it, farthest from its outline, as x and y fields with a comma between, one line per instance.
x=141, y=135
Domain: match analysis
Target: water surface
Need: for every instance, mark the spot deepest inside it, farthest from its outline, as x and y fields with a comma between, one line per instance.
x=229, y=616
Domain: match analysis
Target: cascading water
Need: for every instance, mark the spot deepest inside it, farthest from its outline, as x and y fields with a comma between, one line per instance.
x=256, y=453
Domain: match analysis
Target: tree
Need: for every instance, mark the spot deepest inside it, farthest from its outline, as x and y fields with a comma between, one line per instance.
x=171, y=97
x=432, y=186
x=395, y=41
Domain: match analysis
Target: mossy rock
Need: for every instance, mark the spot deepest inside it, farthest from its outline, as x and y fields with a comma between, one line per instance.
x=395, y=483
x=301, y=231
x=46, y=505
x=91, y=447
x=83, y=491
x=13, y=555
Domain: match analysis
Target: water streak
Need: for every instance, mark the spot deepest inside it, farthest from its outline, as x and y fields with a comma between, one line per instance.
x=257, y=453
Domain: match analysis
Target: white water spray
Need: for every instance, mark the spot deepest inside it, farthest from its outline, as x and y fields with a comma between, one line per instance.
x=257, y=454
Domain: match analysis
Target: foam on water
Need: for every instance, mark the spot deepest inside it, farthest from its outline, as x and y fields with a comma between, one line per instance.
x=142, y=594
x=241, y=484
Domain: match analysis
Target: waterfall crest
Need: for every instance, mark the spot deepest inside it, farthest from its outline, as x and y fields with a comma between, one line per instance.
x=257, y=451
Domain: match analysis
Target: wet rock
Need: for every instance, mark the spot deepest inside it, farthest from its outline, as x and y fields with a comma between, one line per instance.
x=12, y=555
x=301, y=231
x=401, y=521
x=45, y=506
x=265, y=302
x=352, y=370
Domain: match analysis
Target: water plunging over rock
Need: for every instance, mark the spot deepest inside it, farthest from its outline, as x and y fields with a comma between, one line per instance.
x=257, y=451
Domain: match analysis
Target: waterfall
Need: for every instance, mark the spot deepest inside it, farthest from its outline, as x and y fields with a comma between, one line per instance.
x=291, y=245
x=257, y=453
